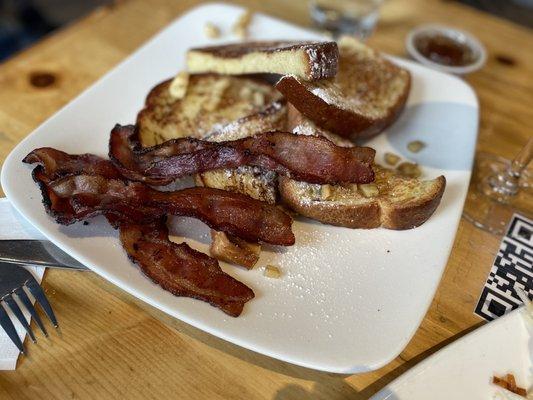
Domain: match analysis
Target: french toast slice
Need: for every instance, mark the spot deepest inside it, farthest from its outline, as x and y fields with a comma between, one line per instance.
x=367, y=94
x=210, y=103
x=392, y=201
x=252, y=181
x=305, y=60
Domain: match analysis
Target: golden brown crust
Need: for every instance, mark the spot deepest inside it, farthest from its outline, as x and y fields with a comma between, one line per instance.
x=364, y=216
x=357, y=102
x=366, y=213
x=211, y=102
x=414, y=213
x=311, y=60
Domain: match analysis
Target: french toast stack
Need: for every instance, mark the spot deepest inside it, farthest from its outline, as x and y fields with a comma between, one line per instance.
x=342, y=92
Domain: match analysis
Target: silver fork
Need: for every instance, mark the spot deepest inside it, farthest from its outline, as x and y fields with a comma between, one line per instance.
x=13, y=281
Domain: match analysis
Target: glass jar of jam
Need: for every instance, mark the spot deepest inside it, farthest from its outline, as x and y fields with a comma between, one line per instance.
x=443, y=49
x=446, y=49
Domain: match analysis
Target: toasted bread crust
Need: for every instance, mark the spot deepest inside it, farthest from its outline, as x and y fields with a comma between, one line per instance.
x=364, y=216
x=415, y=213
x=307, y=60
x=211, y=102
x=369, y=213
x=334, y=119
x=333, y=104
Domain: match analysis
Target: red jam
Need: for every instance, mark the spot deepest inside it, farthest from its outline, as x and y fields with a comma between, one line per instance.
x=444, y=50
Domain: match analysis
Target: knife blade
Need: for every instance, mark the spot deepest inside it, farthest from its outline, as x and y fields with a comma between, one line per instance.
x=37, y=253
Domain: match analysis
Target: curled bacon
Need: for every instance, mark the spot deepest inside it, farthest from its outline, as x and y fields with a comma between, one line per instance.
x=56, y=164
x=77, y=195
x=306, y=158
x=181, y=270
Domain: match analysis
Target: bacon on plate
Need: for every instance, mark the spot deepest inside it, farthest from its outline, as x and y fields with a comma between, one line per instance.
x=78, y=195
x=180, y=269
x=311, y=159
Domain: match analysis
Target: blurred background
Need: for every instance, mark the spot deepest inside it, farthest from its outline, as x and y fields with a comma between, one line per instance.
x=22, y=22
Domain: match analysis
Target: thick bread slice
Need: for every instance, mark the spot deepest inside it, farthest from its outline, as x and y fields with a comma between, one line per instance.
x=402, y=203
x=306, y=60
x=252, y=181
x=393, y=201
x=211, y=102
x=367, y=94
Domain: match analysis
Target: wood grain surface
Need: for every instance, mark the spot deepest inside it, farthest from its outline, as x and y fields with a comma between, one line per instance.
x=113, y=346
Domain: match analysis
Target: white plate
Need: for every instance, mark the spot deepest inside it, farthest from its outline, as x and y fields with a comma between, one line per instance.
x=464, y=369
x=348, y=300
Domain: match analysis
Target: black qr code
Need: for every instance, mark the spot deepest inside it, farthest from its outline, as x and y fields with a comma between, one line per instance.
x=512, y=269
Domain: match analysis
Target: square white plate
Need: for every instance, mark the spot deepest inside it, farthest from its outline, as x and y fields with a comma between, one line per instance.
x=348, y=300
x=464, y=369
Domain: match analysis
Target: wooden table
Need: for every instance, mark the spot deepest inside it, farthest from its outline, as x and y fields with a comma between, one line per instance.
x=112, y=345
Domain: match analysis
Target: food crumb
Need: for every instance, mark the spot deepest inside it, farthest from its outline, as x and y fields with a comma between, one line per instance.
x=211, y=30
x=391, y=158
x=240, y=28
x=409, y=170
x=271, y=271
x=415, y=146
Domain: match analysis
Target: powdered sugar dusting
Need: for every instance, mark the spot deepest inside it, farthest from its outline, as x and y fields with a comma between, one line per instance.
x=366, y=83
x=322, y=63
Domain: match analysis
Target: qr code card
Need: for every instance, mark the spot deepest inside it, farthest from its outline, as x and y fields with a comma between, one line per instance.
x=512, y=269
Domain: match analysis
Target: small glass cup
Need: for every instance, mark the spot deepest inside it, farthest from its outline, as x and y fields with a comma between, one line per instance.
x=346, y=17
x=501, y=188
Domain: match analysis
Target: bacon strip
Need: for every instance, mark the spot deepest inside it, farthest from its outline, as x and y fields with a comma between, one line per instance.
x=306, y=158
x=77, y=187
x=57, y=164
x=78, y=196
x=181, y=270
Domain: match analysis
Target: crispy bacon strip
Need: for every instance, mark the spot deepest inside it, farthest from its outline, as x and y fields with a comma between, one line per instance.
x=306, y=158
x=57, y=164
x=181, y=270
x=77, y=187
x=78, y=195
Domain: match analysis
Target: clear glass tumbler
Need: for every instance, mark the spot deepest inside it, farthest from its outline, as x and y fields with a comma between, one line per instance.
x=346, y=17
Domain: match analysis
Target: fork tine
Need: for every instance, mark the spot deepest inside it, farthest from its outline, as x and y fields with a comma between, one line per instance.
x=12, y=304
x=6, y=323
x=29, y=306
x=38, y=293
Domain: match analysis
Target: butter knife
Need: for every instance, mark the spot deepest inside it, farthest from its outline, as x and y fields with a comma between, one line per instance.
x=37, y=253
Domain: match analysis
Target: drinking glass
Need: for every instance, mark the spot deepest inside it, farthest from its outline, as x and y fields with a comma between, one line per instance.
x=351, y=17
x=501, y=188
